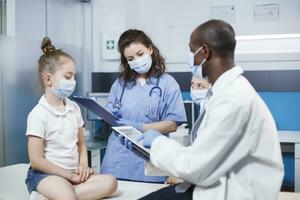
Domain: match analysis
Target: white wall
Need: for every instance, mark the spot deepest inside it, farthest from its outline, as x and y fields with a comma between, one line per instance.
x=60, y=19
x=170, y=22
x=31, y=20
x=65, y=21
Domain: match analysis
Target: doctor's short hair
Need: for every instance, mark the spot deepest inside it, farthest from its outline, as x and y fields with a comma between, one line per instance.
x=51, y=59
x=218, y=35
x=137, y=36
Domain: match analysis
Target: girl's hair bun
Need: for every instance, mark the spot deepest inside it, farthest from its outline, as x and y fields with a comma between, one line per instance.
x=47, y=46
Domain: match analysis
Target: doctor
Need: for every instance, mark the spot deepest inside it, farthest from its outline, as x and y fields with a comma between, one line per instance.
x=143, y=96
x=237, y=156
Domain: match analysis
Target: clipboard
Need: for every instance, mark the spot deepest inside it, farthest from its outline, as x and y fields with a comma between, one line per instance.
x=97, y=109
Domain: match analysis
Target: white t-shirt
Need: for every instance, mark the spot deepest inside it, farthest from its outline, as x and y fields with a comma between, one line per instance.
x=59, y=130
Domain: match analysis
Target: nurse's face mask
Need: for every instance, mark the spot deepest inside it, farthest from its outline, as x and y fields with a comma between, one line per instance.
x=196, y=69
x=138, y=57
x=198, y=95
x=141, y=65
x=199, y=90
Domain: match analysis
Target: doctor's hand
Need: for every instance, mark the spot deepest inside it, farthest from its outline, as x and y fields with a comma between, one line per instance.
x=116, y=112
x=148, y=137
x=137, y=125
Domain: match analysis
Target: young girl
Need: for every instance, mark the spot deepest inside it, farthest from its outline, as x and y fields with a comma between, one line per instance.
x=59, y=166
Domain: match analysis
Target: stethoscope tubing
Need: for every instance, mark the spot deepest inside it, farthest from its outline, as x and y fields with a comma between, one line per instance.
x=118, y=105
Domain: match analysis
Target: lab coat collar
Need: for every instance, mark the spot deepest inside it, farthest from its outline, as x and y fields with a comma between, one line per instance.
x=52, y=110
x=226, y=78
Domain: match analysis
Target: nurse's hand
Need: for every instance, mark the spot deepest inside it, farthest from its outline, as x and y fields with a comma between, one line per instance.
x=148, y=137
x=116, y=112
x=137, y=125
x=124, y=141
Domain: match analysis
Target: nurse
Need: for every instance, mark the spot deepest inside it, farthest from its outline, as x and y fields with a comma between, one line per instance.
x=199, y=88
x=143, y=96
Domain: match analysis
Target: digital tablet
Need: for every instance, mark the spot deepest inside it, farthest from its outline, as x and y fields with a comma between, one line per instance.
x=132, y=134
x=97, y=109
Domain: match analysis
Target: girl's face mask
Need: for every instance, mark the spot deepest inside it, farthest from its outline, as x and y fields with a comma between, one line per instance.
x=64, y=89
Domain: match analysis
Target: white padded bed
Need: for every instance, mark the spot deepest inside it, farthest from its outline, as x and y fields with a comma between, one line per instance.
x=12, y=186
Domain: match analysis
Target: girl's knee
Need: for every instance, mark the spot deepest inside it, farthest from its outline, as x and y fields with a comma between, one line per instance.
x=63, y=195
x=112, y=181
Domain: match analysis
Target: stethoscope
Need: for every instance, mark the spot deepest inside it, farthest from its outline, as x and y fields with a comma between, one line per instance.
x=118, y=105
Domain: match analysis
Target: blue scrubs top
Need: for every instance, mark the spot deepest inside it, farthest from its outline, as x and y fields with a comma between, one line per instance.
x=139, y=106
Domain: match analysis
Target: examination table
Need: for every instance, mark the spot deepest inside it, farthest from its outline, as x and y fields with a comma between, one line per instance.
x=12, y=186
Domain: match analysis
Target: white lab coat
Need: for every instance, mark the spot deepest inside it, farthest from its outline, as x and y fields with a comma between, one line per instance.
x=236, y=155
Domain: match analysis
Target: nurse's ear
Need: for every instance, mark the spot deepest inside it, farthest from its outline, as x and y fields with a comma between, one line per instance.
x=150, y=50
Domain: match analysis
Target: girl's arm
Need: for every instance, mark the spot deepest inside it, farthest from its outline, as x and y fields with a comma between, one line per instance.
x=162, y=126
x=38, y=161
x=83, y=157
x=83, y=169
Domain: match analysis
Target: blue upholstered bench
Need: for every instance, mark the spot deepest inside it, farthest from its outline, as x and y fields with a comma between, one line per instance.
x=285, y=108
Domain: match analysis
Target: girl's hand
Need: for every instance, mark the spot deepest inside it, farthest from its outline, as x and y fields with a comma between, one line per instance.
x=74, y=178
x=83, y=172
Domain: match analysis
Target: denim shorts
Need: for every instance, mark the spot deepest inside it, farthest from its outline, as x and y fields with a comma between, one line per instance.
x=33, y=178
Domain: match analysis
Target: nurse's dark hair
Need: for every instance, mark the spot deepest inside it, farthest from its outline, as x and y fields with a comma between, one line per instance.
x=51, y=59
x=137, y=36
x=217, y=35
